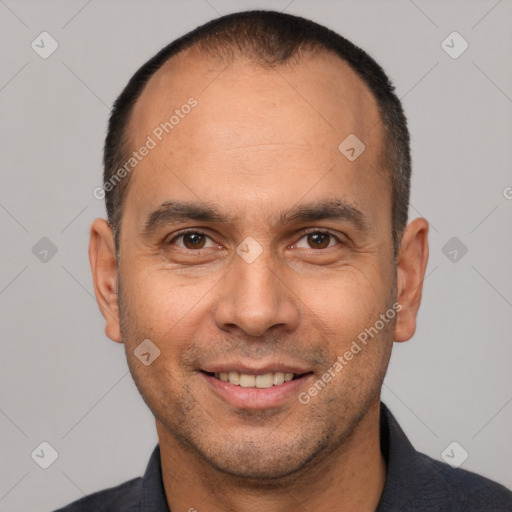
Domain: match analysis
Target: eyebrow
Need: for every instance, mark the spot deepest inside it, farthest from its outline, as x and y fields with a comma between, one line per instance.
x=170, y=212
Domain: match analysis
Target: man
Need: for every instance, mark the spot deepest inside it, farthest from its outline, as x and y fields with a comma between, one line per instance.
x=257, y=265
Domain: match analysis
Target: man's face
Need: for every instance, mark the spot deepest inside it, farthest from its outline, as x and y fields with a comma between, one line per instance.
x=258, y=144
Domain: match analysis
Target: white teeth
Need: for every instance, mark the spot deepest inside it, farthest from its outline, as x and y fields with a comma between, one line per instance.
x=247, y=381
x=234, y=378
x=255, y=381
x=278, y=378
x=265, y=381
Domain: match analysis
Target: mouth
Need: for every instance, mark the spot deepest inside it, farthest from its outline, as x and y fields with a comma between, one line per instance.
x=253, y=389
x=262, y=381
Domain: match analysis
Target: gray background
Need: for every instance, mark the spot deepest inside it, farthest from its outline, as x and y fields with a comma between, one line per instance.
x=63, y=381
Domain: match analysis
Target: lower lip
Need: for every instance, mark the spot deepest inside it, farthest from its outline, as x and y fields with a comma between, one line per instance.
x=256, y=398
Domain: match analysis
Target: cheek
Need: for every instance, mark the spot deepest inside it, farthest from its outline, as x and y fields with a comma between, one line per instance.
x=346, y=303
x=160, y=305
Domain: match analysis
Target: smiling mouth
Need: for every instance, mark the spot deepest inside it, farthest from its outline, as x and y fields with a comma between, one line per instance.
x=264, y=381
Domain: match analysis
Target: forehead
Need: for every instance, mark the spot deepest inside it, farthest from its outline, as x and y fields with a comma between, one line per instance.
x=255, y=131
x=319, y=83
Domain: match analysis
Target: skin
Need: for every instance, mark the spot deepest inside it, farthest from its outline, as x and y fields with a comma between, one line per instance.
x=260, y=142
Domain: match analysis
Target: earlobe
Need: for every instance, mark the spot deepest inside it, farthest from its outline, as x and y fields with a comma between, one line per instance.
x=411, y=266
x=102, y=258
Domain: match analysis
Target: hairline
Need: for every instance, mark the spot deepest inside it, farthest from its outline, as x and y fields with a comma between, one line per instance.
x=296, y=58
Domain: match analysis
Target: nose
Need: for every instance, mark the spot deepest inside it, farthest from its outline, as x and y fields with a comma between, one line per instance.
x=255, y=298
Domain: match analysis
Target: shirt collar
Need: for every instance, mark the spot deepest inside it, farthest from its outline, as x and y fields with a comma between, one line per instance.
x=153, y=493
x=404, y=466
x=399, y=454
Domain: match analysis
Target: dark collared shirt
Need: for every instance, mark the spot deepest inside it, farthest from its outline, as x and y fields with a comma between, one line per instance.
x=414, y=483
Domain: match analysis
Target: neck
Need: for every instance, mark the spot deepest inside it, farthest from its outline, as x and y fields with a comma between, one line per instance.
x=350, y=478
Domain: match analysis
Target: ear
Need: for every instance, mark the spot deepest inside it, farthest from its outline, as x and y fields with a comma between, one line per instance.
x=102, y=258
x=411, y=265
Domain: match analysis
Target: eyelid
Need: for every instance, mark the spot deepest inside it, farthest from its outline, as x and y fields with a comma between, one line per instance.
x=302, y=235
x=183, y=233
x=324, y=231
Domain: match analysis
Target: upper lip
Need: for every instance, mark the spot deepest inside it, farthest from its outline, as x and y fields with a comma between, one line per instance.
x=253, y=369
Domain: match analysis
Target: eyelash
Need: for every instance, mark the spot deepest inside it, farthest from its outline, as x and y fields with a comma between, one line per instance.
x=199, y=232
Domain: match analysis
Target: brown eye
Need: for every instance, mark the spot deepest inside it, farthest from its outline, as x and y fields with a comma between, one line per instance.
x=193, y=240
x=190, y=240
x=317, y=240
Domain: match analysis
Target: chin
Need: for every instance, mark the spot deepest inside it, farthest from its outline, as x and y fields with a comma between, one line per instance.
x=255, y=470
x=262, y=462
